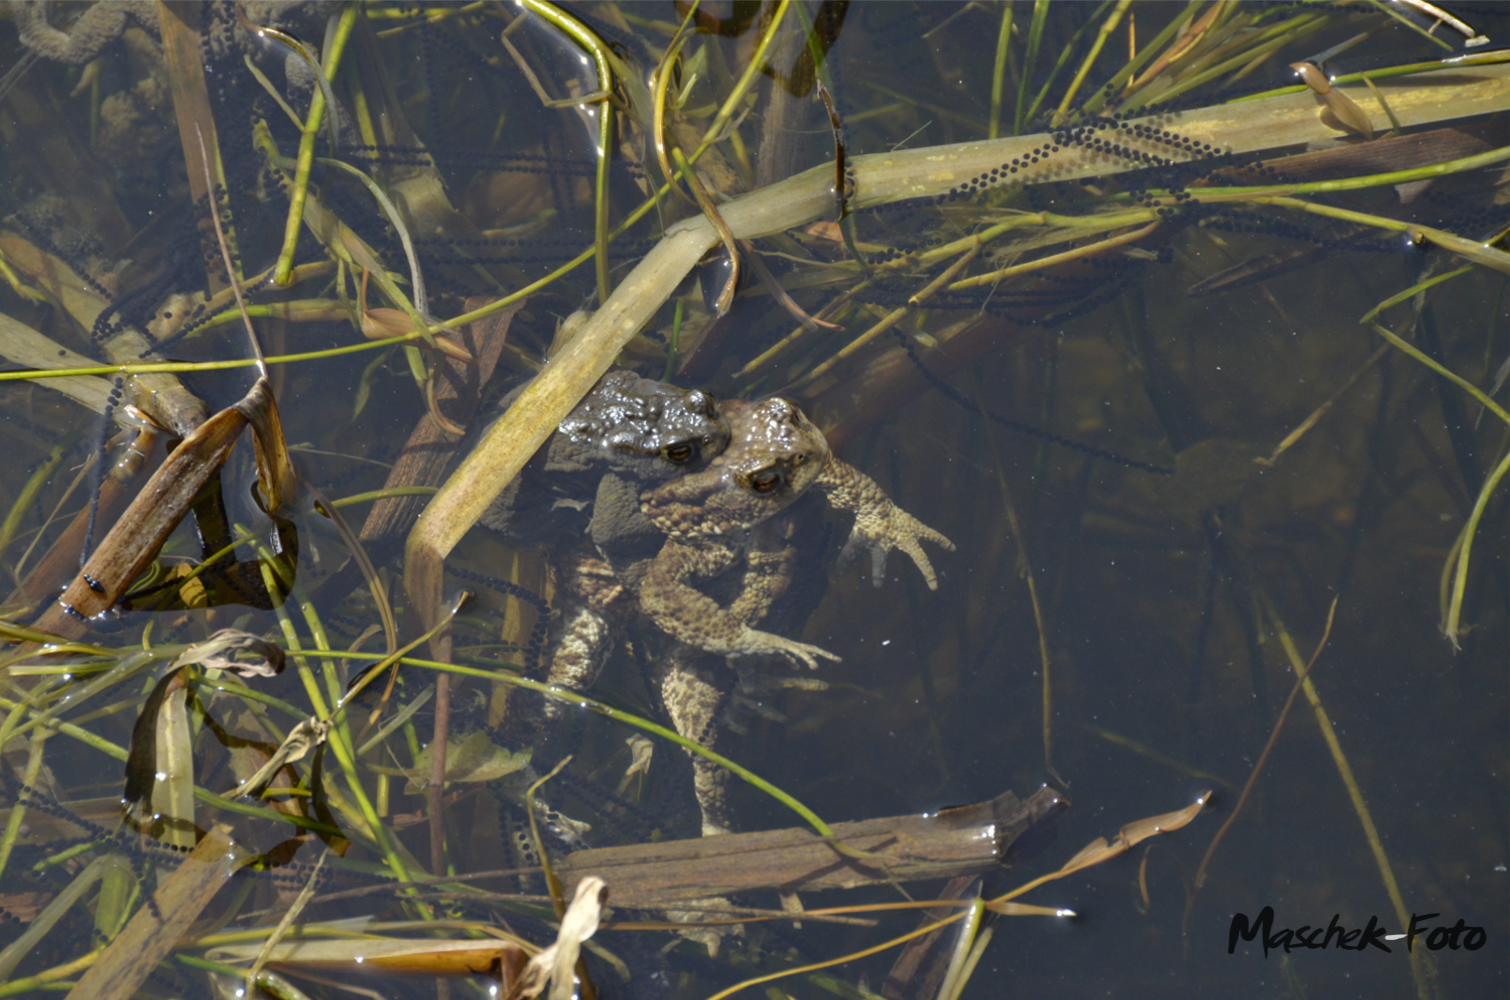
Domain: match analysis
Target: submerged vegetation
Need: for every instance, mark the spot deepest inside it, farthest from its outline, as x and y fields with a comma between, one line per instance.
x=1182, y=320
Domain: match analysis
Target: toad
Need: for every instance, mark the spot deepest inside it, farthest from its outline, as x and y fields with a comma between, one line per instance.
x=703, y=557
x=733, y=519
x=711, y=518
x=628, y=433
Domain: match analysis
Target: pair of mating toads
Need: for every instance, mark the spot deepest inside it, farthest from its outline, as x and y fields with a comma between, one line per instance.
x=674, y=517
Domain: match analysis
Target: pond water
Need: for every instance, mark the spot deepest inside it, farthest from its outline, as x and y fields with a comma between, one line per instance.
x=1200, y=372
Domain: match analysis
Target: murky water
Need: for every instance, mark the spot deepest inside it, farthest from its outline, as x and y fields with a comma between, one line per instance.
x=1167, y=463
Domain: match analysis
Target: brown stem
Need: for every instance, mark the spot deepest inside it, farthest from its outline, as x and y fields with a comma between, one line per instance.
x=435, y=790
x=1200, y=875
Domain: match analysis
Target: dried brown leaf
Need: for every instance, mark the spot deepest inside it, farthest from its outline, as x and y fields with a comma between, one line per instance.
x=1027, y=910
x=380, y=323
x=555, y=964
x=422, y=957
x=1140, y=830
x=242, y=653
x=1093, y=853
x=135, y=540
x=276, y=479
x=1343, y=112
x=301, y=740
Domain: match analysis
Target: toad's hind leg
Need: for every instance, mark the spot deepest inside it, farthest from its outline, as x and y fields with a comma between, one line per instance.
x=692, y=690
x=591, y=608
x=582, y=637
x=578, y=654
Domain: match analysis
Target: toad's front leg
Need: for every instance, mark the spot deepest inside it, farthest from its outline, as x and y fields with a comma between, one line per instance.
x=687, y=615
x=880, y=525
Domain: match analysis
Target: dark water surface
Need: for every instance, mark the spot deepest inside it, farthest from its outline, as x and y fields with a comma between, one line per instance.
x=1137, y=575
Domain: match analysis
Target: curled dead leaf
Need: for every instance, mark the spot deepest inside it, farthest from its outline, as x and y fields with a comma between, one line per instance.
x=641, y=751
x=301, y=740
x=1137, y=831
x=1140, y=830
x=1312, y=76
x=1341, y=111
x=825, y=231
x=242, y=653
x=554, y=965
x=382, y=323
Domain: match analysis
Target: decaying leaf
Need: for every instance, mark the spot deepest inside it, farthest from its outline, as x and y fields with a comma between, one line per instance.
x=277, y=480
x=135, y=540
x=242, y=653
x=301, y=740
x=554, y=965
x=503, y=960
x=472, y=758
x=640, y=752
x=1140, y=830
x=1341, y=111
x=160, y=763
x=381, y=322
x=25, y=906
x=1027, y=910
x=1134, y=833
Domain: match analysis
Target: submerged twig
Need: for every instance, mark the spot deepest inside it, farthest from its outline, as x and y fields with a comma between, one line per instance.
x=1258, y=765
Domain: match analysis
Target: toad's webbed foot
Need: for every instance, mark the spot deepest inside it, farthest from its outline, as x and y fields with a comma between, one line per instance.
x=896, y=529
x=880, y=525
x=750, y=641
x=751, y=696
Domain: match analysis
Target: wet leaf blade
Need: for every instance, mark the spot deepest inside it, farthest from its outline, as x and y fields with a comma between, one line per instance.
x=179, y=25
x=25, y=346
x=173, y=786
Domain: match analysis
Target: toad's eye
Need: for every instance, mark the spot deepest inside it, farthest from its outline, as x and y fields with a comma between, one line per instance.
x=765, y=482
x=678, y=454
